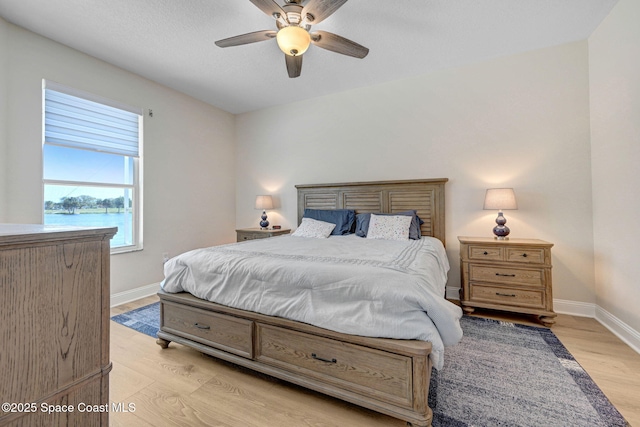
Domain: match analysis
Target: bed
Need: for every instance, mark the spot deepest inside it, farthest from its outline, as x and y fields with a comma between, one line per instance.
x=345, y=358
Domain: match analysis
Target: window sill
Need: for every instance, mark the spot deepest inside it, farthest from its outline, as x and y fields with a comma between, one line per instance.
x=125, y=249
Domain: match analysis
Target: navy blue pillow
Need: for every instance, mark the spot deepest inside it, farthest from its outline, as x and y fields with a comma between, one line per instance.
x=344, y=219
x=362, y=223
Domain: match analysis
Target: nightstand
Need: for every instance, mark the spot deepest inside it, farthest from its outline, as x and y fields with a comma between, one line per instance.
x=510, y=275
x=258, y=233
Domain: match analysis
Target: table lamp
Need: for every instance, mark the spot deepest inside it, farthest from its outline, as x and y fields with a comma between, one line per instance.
x=500, y=199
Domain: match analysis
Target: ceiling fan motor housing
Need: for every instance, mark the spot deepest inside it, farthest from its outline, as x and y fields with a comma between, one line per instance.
x=294, y=15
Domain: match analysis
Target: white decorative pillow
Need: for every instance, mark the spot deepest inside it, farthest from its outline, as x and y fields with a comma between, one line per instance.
x=313, y=228
x=393, y=227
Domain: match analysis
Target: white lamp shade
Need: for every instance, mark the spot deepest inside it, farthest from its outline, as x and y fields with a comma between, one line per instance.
x=500, y=199
x=293, y=40
x=264, y=202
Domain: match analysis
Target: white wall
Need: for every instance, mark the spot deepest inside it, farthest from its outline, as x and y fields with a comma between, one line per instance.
x=521, y=121
x=3, y=112
x=614, y=66
x=189, y=153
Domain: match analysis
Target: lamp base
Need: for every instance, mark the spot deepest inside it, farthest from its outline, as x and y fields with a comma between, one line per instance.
x=264, y=224
x=501, y=230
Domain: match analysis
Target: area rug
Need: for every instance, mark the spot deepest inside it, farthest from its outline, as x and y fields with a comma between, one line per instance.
x=144, y=319
x=500, y=374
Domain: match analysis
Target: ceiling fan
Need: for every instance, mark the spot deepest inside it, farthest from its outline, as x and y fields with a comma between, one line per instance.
x=293, y=35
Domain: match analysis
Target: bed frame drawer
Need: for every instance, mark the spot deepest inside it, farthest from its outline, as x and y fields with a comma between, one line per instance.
x=385, y=375
x=228, y=333
x=360, y=369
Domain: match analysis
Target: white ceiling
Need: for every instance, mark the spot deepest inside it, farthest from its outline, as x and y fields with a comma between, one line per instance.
x=172, y=41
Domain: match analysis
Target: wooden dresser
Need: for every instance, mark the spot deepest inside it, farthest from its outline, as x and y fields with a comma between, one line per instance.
x=510, y=275
x=54, y=325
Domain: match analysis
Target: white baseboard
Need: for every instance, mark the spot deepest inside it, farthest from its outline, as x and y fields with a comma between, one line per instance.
x=620, y=329
x=574, y=308
x=134, y=294
x=452, y=293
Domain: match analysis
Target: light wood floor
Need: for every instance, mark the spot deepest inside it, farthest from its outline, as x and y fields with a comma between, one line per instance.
x=182, y=387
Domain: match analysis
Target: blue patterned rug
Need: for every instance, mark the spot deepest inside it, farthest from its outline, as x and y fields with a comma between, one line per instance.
x=500, y=374
x=144, y=319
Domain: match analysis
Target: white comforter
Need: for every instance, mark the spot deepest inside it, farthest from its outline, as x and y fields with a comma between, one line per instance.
x=349, y=284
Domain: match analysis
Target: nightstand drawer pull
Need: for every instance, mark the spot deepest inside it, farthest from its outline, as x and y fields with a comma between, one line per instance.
x=315, y=356
x=505, y=295
x=200, y=326
x=524, y=255
x=505, y=275
x=485, y=253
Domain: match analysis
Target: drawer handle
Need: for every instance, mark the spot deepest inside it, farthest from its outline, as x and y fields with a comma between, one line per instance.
x=199, y=326
x=524, y=255
x=486, y=253
x=505, y=295
x=315, y=356
x=505, y=275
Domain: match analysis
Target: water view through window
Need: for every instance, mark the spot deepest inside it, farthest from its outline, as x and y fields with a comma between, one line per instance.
x=108, y=203
x=92, y=207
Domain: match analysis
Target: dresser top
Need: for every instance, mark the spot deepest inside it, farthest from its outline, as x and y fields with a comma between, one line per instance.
x=509, y=242
x=20, y=233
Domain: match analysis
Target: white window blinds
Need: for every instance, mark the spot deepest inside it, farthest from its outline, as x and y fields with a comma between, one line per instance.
x=76, y=119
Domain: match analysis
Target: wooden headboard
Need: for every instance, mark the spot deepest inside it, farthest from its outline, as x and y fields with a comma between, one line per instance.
x=424, y=195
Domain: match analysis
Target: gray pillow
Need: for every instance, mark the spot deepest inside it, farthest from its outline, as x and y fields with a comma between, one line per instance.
x=344, y=219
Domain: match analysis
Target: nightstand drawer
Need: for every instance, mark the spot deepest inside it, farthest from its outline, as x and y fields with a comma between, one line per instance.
x=251, y=236
x=525, y=255
x=244, y=234
x=486, y=253
x=507, y=296
x=512, y=276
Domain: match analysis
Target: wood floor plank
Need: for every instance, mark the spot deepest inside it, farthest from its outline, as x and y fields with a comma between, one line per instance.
x=283, y=404
x=126, y=382
x=162, y=405
x=127, y=419
x=300, y=406
x=176, y=366
x=121, y=333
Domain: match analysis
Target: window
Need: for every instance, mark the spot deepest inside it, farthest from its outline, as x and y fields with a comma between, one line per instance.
x=91, y=164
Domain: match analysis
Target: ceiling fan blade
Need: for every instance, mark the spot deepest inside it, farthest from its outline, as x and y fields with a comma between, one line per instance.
x=271, y=8
x=258, y=36
x=338, y=44
x=318, y=10
x=294, y=65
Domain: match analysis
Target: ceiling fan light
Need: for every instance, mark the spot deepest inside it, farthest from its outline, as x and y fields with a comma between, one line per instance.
x=293, y=40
